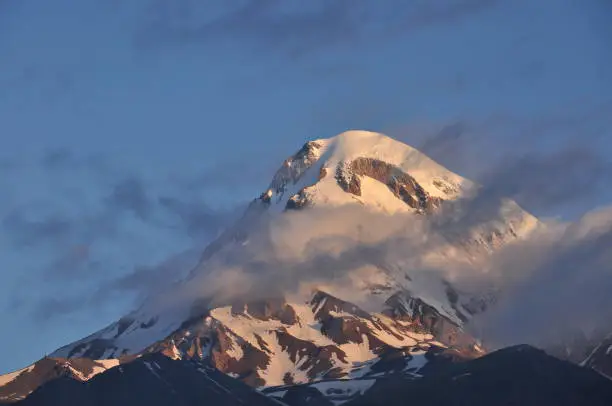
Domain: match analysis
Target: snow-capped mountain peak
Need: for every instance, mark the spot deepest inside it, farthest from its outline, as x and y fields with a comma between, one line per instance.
x=337, y=270
x=362, y=167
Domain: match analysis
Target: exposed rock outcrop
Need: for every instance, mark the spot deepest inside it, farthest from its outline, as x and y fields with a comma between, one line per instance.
x=401, y=184
x=298, y=201
x=295, y=166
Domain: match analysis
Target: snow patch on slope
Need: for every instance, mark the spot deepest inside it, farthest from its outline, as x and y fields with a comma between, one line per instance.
x=341, y=391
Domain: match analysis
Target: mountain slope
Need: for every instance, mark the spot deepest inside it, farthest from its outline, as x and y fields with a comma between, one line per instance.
x=150, y=380
x=518, y=375
x=601, y=358
x=271, y=343
x=19, y=384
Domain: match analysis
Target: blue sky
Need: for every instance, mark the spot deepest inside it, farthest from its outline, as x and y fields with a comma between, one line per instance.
x=133, y=131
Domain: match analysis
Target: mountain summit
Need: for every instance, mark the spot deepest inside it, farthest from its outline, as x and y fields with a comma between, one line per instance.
x=365, y=168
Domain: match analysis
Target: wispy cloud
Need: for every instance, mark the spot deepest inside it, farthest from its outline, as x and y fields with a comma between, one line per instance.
x=197, y=218
x=50, y=307
x=555, y=285
x=561, y=271
x=295, y=29
x=96, y=232
x=554, y=180
x=552, y=164
x=130, y=194
x=149, y=280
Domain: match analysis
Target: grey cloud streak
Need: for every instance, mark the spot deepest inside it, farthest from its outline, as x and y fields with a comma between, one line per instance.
x=545, y=165
x=293, y=28
x=29, y=232
x=553, y=285
x=542, y=181
x=130, y=194
x=556, y=286
x=71, y=240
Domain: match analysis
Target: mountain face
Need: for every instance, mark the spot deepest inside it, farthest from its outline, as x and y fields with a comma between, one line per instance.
x=150, y=380
x=518, y=375
x=600, y=359
x=272, y=343
x=340, y=271
x=17, y=385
